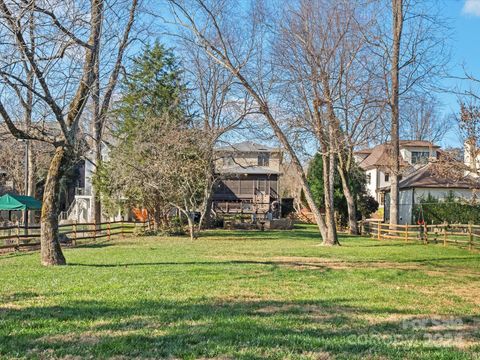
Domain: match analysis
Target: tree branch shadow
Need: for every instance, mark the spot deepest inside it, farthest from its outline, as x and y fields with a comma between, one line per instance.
x=214, y=328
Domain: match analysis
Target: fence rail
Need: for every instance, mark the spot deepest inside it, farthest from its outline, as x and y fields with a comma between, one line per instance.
x=467, y=235
x=14, y=238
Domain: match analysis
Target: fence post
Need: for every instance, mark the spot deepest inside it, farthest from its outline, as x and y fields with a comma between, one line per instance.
x=108, y=230
x=94, y=230
x=18, y=235
x=445, y=235
x=425, y=234
x=121, y=227
x=379, y=236
x=75, y=233
x=470, y=237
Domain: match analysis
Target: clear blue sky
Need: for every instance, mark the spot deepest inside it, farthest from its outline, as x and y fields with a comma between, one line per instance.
x=465, y=48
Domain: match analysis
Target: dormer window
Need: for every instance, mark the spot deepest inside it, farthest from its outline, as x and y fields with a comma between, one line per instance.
x=263, y=159
x=387, y=177
x=420, y=157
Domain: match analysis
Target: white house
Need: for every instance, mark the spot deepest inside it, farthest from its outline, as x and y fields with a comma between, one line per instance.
x=81, y=208
x=377, y=162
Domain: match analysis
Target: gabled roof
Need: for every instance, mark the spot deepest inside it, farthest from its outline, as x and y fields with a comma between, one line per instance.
x=380, y=157
x=247, y=146
x=434, y=175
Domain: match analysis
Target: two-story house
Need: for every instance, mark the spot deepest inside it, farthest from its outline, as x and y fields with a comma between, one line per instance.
x=377, y=163
x=248, y=178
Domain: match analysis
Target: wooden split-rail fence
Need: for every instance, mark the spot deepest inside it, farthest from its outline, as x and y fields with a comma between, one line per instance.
x=466, y=235
x=14, y=238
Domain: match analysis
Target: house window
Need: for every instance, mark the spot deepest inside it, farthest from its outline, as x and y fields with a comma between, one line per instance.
x=420, y=157
x=387, y=177
x=263, y=159
x=369, y=178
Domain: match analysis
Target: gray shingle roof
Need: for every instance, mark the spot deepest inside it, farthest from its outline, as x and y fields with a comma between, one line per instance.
x=433, y=175
x=255, y=170
x=246, y=146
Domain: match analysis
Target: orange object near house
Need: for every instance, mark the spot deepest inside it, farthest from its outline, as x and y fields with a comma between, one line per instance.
x=140, y=214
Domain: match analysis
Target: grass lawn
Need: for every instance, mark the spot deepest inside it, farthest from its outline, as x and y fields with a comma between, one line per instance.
x=243, y=295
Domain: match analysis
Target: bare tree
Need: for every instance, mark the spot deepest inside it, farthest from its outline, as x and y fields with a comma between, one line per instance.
x=321, y=51
x=411, y=50
x=239, y=46
x=421, y=119
x=59, y=55
x=159, y=166
x=397, y=28
x=217, y=105
x=106, y=73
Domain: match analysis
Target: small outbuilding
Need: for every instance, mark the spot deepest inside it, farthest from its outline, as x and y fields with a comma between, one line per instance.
x=13, y=202
x=431, y=180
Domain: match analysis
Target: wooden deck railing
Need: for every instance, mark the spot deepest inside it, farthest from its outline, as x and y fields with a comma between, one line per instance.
x=467, y=235
x=13, y=238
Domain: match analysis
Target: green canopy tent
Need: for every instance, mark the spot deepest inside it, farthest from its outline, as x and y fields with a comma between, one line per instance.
x=11, y=202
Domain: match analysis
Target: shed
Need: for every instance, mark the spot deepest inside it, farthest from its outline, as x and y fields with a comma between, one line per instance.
x=436, y=179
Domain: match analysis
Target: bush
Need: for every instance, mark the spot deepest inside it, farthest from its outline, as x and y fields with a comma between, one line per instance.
x=367, y=205
x=451, y=210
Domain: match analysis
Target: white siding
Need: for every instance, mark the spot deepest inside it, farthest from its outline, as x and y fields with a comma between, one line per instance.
x=372, y=185
x=405, y=207
x=382, y=182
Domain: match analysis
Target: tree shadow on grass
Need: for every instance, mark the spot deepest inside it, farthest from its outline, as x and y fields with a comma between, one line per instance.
x=218, y=329
x=296, y=234
x=97, y=245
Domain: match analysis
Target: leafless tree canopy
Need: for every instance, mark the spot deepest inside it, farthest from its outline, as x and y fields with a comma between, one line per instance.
x=422, y=120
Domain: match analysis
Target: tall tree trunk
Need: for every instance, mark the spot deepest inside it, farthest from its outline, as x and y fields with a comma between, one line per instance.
x=314, y=209
x=157, y=219
x=328, y=144
x=97, y=137
x=96, y=203
x=331, y=238
x=397, y=14
x=351, y=207
x=191, y=226
x=51, y=252
x=32, y=179
x=331, y=173
x=206, y=216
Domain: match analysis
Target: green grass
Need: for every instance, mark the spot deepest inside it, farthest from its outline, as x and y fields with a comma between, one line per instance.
x=243, y=295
